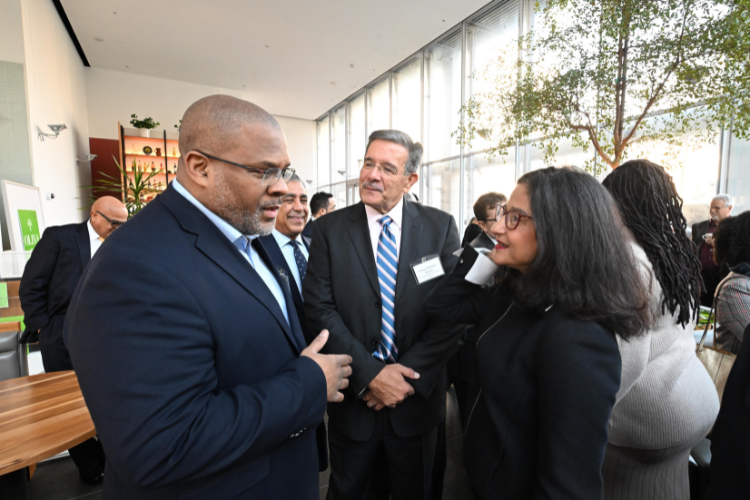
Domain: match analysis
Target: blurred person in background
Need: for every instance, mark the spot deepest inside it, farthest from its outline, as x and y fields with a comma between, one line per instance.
x=667, y=402
x=702, y=236
x=732, y=249
x=321, y=203
x=49, y=279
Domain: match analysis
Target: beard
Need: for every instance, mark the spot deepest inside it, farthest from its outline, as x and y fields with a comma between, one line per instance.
x=228, y=207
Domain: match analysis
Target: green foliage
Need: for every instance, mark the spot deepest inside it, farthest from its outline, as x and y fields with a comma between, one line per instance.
x=148, y=122
x=611, y=74
x=135, y=190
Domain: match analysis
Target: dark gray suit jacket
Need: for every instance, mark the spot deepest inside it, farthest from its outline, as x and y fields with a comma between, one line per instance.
x=342, y=294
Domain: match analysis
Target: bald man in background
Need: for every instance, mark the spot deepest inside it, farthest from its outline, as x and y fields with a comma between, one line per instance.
x=193, y=363
x=49, y=279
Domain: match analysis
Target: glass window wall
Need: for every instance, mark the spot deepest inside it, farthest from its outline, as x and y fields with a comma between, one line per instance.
x=324, y=158
x=484, y=175
x=442, y=99
x=738, y=174
x=441, y=187
x=379, y=106
x=338, y=144
x=357, y=135
x=407, y=96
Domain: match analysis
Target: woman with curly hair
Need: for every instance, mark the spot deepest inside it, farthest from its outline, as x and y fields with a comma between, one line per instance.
x=667, y=401
x=547, y=365
x=732, y=302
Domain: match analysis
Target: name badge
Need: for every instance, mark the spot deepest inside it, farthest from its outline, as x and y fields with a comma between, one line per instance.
x=427, y=268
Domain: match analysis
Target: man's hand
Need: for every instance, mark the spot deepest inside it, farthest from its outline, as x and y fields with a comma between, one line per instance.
x=390, y=387
x=373, y=402
x=335, y=367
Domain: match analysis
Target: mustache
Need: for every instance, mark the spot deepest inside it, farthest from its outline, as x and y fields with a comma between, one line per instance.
x=293, y=213
x=270, y=203
x=373, y=185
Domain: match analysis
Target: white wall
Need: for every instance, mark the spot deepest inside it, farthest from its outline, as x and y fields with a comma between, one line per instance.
x=11, y=31
x=56, y=92
x=113, y=96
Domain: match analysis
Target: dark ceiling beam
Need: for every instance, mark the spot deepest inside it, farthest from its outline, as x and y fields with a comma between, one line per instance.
x=69, y=27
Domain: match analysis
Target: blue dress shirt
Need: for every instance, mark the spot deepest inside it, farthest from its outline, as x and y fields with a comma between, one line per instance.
x=234, y=235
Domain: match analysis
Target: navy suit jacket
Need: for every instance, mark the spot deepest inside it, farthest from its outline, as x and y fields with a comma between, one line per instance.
x=51, y=275
x=192, y=376
x=277, y=256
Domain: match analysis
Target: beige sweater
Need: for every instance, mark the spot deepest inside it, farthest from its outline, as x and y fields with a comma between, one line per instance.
x=666, y=397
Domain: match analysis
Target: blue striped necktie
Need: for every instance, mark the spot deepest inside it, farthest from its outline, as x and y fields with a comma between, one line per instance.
x=387, y=264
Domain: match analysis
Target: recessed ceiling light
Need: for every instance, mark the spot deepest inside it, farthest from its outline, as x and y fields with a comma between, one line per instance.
x=98, y=39
x=333, y=83
x=351, y=65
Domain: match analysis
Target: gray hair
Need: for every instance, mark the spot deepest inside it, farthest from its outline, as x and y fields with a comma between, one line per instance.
x=728, y=199
x=402, y=139
x=297, y=178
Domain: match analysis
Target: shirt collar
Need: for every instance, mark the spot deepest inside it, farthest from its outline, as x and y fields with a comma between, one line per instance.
x=226, y=228
x=396, y=214
x=93, y=235
x=282, y=239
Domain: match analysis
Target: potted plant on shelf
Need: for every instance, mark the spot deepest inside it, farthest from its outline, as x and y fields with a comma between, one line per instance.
x=137, y=189
x=144, y=125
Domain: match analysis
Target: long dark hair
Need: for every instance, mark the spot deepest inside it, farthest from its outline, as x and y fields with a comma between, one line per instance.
x=584, y=265
x=652, y=210
x=732, y=240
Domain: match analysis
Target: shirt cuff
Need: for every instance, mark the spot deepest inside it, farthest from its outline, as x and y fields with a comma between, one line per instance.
x=483, y=271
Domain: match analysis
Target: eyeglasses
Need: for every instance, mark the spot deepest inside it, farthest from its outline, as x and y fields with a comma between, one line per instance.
x=270, y=175
x=512, y=217
x=114, y=223
x=386, y=169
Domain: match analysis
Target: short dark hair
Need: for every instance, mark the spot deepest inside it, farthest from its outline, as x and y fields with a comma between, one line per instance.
x=319, y=201
x=732, y=240
x=486, y=201
x=402, y=139
x=652, y=210
x=585, y=265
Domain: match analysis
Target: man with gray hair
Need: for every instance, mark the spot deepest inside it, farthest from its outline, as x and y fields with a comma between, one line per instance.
x=371, y=267
x=719, y=209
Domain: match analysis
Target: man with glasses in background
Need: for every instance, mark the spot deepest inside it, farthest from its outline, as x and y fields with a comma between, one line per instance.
x=49, y=278
x=371, y=266
x=192, y=361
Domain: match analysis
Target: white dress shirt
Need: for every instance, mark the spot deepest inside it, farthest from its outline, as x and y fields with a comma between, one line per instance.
x=94, y=240
x=396, y=213
x=287, y=248
x=233, y=235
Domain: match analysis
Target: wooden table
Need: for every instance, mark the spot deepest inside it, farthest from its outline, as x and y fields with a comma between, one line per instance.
x=40, y=416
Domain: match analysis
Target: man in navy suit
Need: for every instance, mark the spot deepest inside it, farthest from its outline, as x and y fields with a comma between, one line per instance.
x=49, y=279
x=321, y=203
x=191, y=359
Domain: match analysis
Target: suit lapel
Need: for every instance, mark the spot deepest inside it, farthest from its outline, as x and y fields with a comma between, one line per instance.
x=286, y=285
x=84, y=245
x=411, y=232
x=214, y=245
x=277, y=256
x=359, y=233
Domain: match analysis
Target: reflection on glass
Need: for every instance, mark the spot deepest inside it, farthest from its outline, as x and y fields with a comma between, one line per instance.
x=442, y=100
x=357, y=135
x=379, y=106
x=406, y=95
x=441, y=186
x=338, y=144
x=324, y=162
x=485, y=175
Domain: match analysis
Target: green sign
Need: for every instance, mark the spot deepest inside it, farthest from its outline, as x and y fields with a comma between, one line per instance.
x=29, y=229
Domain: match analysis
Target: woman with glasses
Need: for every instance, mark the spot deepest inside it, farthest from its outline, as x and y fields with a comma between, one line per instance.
x=667, y=402
x=547, y=365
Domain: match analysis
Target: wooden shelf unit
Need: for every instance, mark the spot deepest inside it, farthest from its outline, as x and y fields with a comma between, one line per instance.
x=131, y=149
